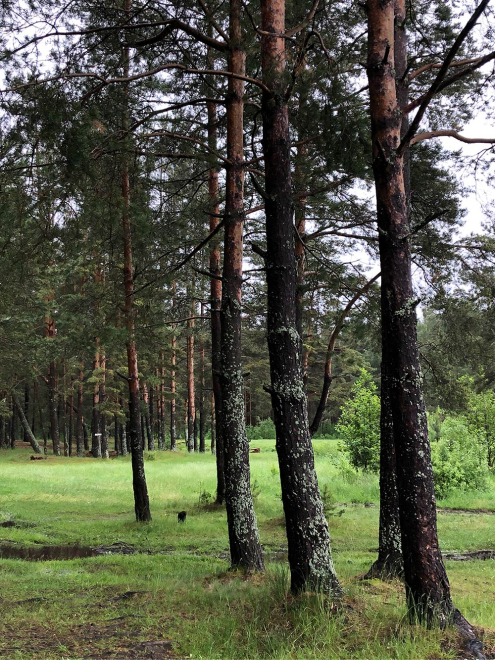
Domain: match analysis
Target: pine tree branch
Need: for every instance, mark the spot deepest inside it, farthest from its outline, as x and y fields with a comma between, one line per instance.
x=428, y=135
x=138, y=76
x=434, y=88
x=478, y=63
x=175, y=24
x=305, y=22
x=437, y=65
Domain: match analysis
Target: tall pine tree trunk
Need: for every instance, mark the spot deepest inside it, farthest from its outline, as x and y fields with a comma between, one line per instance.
x=26, y=410
x=71, y=415
x=173, y=415
x=191, y=390
x=79, y=416
x=310, y=557
x=161, y=404
x=52, y=388
x=427, y=586
x=103, y=419
x=96, y=417
x=245, y=547
x=389, y=561
x=202, y=417
x=141, y=499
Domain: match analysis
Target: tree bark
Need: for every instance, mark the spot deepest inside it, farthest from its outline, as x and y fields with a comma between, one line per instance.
x=96, y=417
x=173, y=424
x=79, y=415
x=26, y=409
x=141, y=499
x=245, y=547
x=389, y=562
x=202, y=417
x=427, y=586
x=213, y=446
x=103, y=419
x=161, y=405
x=71, y=416
x=25, y=425
x=146, y=418
x=52, y=407
x=191, y=391
x=310, y=556
x=123, y=432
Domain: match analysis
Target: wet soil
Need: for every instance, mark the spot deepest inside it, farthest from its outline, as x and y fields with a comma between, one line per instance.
x=466, y=511
x=10, y=550
x=469, y=556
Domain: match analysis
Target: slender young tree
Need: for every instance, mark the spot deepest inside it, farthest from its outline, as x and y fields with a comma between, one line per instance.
x=245, y=547
x=25, y=425
x=215, y=295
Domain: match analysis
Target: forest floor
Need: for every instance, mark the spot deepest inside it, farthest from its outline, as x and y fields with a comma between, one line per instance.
x=163, y=590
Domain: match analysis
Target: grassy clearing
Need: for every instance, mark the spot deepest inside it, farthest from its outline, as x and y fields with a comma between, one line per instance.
x=111, y=606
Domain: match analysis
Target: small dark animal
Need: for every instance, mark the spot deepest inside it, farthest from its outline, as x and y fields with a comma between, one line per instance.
x=181, y=516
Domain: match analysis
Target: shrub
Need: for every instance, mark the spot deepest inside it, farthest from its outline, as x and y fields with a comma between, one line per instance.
x=264, y=430
x=359, y=425
x=458, y=458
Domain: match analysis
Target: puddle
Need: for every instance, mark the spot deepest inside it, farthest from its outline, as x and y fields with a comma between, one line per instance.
x=61, y=552
x=16, y=523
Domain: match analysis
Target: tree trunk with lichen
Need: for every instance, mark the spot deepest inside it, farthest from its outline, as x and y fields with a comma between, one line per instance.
x=308, y=538
x=427, y=586
x=245, y=547
x=389, y=562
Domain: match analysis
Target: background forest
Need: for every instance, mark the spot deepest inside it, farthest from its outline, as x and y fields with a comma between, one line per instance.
x=218, y=223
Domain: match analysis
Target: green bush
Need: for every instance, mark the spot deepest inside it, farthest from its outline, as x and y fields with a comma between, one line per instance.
x=264, y=430
x=359, y=425
x=458, y=457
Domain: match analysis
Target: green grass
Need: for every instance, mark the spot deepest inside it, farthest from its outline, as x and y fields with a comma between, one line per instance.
x=183, y=590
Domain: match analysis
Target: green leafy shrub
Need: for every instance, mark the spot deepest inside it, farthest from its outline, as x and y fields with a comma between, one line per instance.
x=264, y=430
x=255, y=489
x=359, y=425
x=481, y=417
x=458, y=458
x=204, y=498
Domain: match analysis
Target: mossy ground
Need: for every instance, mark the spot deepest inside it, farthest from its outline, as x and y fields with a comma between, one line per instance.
x=182, y=593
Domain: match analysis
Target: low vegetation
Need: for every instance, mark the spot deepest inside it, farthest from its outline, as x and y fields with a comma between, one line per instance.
x=163, y=589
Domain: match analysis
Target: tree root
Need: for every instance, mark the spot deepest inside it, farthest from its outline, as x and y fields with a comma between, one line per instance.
x=472, y=644
x=385, y=570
